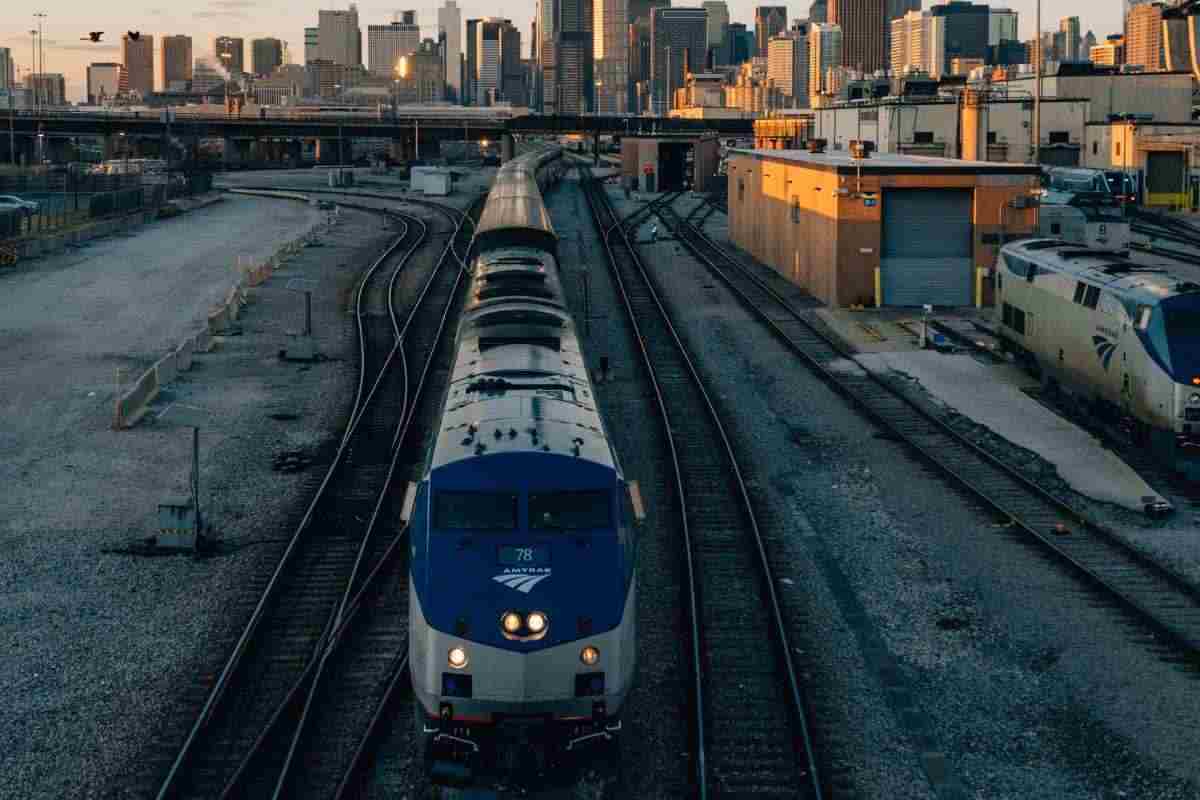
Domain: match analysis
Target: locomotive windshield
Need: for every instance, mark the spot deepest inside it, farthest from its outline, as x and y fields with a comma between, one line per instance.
x=467, y=511
x=570, y=511
x=1181, y=318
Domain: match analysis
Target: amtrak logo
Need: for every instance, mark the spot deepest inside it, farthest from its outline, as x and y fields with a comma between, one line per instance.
x=522, y=580
x=1104, y=349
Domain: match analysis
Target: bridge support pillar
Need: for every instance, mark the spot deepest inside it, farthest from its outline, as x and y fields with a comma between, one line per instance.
x=508, y=147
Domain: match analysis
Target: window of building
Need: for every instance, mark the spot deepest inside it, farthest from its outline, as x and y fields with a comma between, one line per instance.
x=922, y=137
x=741, y=190
x=795, y=209
x=1118, y=148
x=1060, y=137
x=1095, y=148
x=991, y=137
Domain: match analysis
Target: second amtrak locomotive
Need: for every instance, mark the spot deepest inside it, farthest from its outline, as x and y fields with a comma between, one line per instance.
x=522, y=630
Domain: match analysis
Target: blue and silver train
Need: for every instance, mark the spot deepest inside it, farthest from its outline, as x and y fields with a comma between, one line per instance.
x=523, y=568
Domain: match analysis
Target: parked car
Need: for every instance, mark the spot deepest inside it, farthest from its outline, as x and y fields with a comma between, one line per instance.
x=11, y=201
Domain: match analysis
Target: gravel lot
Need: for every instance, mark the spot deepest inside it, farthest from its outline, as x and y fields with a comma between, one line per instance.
x=1027, y=684
x=102, y=647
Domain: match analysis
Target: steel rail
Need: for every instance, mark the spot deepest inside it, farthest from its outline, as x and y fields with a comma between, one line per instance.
x=1164, y=599
x=170, y=785
x=601, y=208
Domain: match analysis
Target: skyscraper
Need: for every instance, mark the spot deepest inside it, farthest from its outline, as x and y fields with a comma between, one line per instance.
x=818, y=11
x=386, y=43
x=1069, y=28
x=312, y=45
x=1143, y=40
x=231, y=53
x=340, y=39
x=265, y=55
x=545, y=90
x=450, y=23
x=138, y=57
x=678, y=39
x=768, y=21
x=493, y=62
x=512, y=71
x=787, y=64
x=824, y=54
x=963, y=27
x=573, y=26
x=174, y=63
x=8, y=76
x=105, y=81
x=610, y=50
x=1002, y=25
x=895, y=9
x=910, y=45
x=718, y=23
x=863, y=38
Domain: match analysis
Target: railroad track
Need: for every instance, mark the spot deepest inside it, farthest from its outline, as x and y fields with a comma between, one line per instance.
x=1152, y=592
x=750, y=728
x=302, y=601
x=314, y=746
x=1168, y=252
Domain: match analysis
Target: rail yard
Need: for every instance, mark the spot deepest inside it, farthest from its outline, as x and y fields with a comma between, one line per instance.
x=548, y=488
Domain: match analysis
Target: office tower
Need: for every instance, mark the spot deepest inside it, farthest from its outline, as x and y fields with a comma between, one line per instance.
x=471, y=63
x=677, y=44
x=512, y=72
x=1143, y=38
x=206, y=76
x=231, y=54
x=574, y=68
x=265, y=55
x=610, y=51
x=862, y=23
x=312, y=48
x=787, y=65
x=963, y=28
x=768, y=21
x=138, y=57
x=895, y=9
x=739, y=44
x=1071, y=40
x=824, y=54
x=340, y=39
x=818, y=11
x=105, y=81
x=174, y=63
x=718, y=24
x=489, y=74
x=1109, y=54
x=912, y=45
x=1089, y=41
x=386, y=43
x=422, y=77
x=49, y=87
x=8, y=75
x=1002, y=25
x=450, y=23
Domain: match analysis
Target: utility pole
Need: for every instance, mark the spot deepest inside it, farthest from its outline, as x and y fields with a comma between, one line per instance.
x=1037, y=85
x=29, y=79
x=41, y=15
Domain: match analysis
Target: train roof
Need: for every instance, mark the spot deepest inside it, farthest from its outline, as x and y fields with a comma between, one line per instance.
x=514, y=204
x=1105, y=268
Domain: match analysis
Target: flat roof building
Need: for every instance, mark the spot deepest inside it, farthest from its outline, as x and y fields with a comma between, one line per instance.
x=138, y=57
x=890, y=229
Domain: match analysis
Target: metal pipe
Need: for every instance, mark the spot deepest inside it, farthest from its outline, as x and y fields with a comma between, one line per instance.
x=1037, y=97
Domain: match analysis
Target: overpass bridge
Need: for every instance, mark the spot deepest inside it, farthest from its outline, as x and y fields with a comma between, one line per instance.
x=276, y=134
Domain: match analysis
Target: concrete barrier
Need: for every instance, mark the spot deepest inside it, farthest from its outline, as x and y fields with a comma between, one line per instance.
x=132, y=405
x=165, y=370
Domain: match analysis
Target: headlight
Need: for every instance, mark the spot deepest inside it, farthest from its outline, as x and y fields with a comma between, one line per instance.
x=457, y=657
x=511, y=622
x=1194, y=399
x=536, y=621
x=589, y=655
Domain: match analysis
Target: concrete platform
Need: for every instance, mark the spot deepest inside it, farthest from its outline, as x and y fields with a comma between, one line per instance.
x=992, y=396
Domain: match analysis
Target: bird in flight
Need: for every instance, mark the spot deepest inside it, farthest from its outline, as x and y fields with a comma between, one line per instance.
x=94, y=36
x=135, y=35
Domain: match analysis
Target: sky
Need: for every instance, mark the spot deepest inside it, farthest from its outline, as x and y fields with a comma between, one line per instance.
x=68, y=20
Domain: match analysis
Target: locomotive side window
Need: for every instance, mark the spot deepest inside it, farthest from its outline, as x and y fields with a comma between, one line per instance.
x=1092, y=296
x=1080, y=288
x=1014, y=318
x=466, y=511
x=570, y=511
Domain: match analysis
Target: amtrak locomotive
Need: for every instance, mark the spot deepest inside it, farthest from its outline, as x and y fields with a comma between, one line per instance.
x=1121, y=338
x=522, y=630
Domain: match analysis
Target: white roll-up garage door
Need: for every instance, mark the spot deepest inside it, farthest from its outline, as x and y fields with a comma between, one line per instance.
x=927, y=243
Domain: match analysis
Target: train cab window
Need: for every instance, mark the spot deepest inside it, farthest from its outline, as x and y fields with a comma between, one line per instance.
x=1080, y=288
x=570, y=511
x=474, y=511
x=1091, y=297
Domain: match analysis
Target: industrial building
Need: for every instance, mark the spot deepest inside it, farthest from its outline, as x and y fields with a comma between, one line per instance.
x=887, y=229
x=665, y=163
x=1165, y=154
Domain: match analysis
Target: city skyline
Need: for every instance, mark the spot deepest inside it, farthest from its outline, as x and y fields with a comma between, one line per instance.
x=205, y=19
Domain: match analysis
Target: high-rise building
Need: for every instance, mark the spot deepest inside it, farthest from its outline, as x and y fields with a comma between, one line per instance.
x=863, y=39
x=231, y=53
x=739, y=43
x=824, y=55
x=544, y=90
x=818, y=11
x=207, y=76
x=787, y=65
x=678, y=38
x=386, y=43
x=895, y=9
x=1071, y=39
x=963, y=28
x=8, y=74
x=768, y=21
x=573, y=26
x=138, y=57
x=1143, y=37
x=105, y=82
x=718, y=24
x=340, y=39
x=610, y=51
x=421, y=75
x=312, y=45
x=1002, y=25
x=512, y=71
x=265, y=55
x=450, y=24
x=912, y=45
x=1089, y=41
x=50, y=88
x=493, y=70
x=1111, y=53
x=174, y=63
